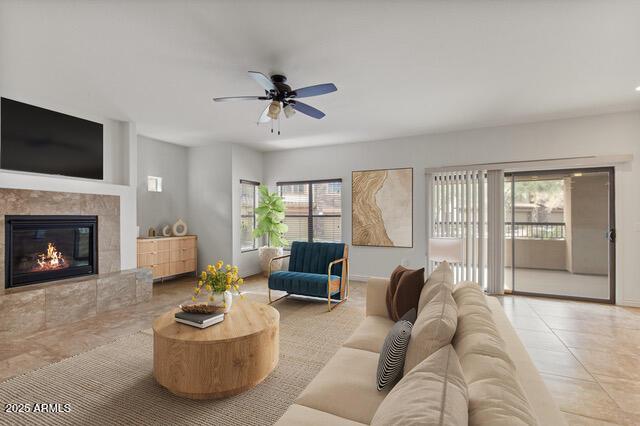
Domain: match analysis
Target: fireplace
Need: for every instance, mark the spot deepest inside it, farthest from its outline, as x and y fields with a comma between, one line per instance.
x=47, y=248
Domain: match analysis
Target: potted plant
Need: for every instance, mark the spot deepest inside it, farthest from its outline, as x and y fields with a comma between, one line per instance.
x=215, y=284
x=270, y=214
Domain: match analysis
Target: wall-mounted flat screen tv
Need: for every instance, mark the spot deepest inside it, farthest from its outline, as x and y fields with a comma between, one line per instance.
x=38, y=140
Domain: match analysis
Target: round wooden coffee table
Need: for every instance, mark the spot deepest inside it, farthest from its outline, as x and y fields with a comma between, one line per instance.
x=219, y=361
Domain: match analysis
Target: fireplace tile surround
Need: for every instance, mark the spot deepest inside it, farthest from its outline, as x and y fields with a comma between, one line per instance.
x=34, y=202
x=35, y=307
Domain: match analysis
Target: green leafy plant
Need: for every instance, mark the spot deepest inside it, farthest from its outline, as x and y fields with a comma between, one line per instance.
x=270, y=214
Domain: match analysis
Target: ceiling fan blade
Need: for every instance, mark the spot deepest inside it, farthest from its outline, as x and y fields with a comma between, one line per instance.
x=307, y=109
x=318, y=89
x=263, y=81
x=264, y=118
x=241, y=98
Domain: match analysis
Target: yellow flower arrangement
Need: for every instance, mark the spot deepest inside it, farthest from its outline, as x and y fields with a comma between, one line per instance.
x=214, y=279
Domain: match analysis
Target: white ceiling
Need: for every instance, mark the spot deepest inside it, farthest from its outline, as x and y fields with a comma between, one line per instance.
x=401, y=68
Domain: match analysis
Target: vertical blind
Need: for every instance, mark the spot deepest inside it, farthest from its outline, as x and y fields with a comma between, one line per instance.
x=457, y=210
x=313, y=210
x=466, y=205
x=248, y=199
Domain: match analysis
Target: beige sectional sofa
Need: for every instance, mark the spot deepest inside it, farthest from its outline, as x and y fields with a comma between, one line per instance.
x=503, y=387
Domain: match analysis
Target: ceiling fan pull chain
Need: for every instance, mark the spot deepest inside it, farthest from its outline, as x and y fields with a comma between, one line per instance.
x=278, y=125
x=271, y=126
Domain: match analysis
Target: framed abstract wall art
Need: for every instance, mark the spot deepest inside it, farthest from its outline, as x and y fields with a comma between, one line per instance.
x=382, y=208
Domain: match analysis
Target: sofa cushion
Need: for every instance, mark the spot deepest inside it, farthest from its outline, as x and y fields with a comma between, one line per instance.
x=434, y=328
x=441, y=276
x=544, y=407
x=433, y=393
x=469, y=293
x=370, y=334
x=495, y=394
x=303, y=283
x=376, y=295
x=299, y=415
x=393, y=353
x=393, y=285
x=346, y=387
x=407, y=293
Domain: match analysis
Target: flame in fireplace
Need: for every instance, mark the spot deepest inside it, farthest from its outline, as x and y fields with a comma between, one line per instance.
x=50, y=260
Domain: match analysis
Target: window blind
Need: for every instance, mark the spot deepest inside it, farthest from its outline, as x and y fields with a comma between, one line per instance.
x=313, y=210
x=468, y=205
x=248, y=200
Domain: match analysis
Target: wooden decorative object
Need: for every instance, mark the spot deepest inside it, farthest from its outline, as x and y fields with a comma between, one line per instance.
x=168, y=256
x=202, y=308
x=179, y=228
x=219, y=361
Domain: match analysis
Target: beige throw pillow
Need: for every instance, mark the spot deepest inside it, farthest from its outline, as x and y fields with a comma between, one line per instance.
x=433, y=329
x=434, y=393
x=441, y=276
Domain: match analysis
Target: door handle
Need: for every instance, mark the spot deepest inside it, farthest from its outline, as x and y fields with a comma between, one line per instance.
x=611, y=235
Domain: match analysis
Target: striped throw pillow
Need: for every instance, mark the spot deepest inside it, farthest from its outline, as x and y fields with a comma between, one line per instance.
x=394, y=349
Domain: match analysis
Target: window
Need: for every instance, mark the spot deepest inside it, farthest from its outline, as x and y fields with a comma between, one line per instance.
x=248, y=200
x=313, y=210
x=154, y=184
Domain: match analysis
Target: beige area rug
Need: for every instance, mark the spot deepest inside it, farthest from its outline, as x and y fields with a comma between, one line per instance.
x=113, y=384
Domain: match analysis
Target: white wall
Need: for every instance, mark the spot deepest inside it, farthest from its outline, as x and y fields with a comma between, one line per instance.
x=247, y=165
x=209, y=201
x=119, y=151
x=170, y=162
x=597, y=135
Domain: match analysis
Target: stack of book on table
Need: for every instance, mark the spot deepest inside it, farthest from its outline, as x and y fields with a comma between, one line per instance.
x=198, y=320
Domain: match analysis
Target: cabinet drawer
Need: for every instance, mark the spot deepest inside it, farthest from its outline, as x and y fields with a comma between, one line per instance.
x=161, y=270
x=147, y=259
x=177, y=267
x=188, y=243
x=163, y=257
x=150, y=246
x=187, y=254
x=164, y=245
x=190, y=265
x=182, y=254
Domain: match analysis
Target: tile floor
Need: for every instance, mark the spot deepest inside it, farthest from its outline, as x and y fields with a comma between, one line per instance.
x=588, y=354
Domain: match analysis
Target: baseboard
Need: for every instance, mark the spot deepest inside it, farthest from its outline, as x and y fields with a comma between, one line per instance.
x=360, y=278
x=631, y=303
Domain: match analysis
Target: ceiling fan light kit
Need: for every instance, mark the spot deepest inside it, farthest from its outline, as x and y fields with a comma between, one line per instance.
x=289, y=111
x=274, y=110
x=282, y=98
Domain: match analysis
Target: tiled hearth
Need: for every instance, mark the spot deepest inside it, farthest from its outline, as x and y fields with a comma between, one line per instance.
x=38, y=307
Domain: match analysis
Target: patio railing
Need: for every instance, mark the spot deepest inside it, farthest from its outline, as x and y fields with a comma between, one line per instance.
x=535, y=230
x=521, y=230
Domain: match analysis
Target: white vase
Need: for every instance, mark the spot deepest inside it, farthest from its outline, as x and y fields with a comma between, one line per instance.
x=223, y=300
x=267, y=253
x=228, y=301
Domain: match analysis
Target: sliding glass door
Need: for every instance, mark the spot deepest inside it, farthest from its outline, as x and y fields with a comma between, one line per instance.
x=559, y=238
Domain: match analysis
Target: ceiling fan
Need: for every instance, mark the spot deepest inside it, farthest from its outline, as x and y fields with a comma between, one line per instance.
x=282, y=98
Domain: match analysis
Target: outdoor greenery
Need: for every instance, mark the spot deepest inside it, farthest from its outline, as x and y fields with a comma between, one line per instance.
x=543, y=195
x=270, y=215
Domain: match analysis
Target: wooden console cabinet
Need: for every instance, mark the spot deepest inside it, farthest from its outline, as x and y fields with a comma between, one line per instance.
x=168, y=256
